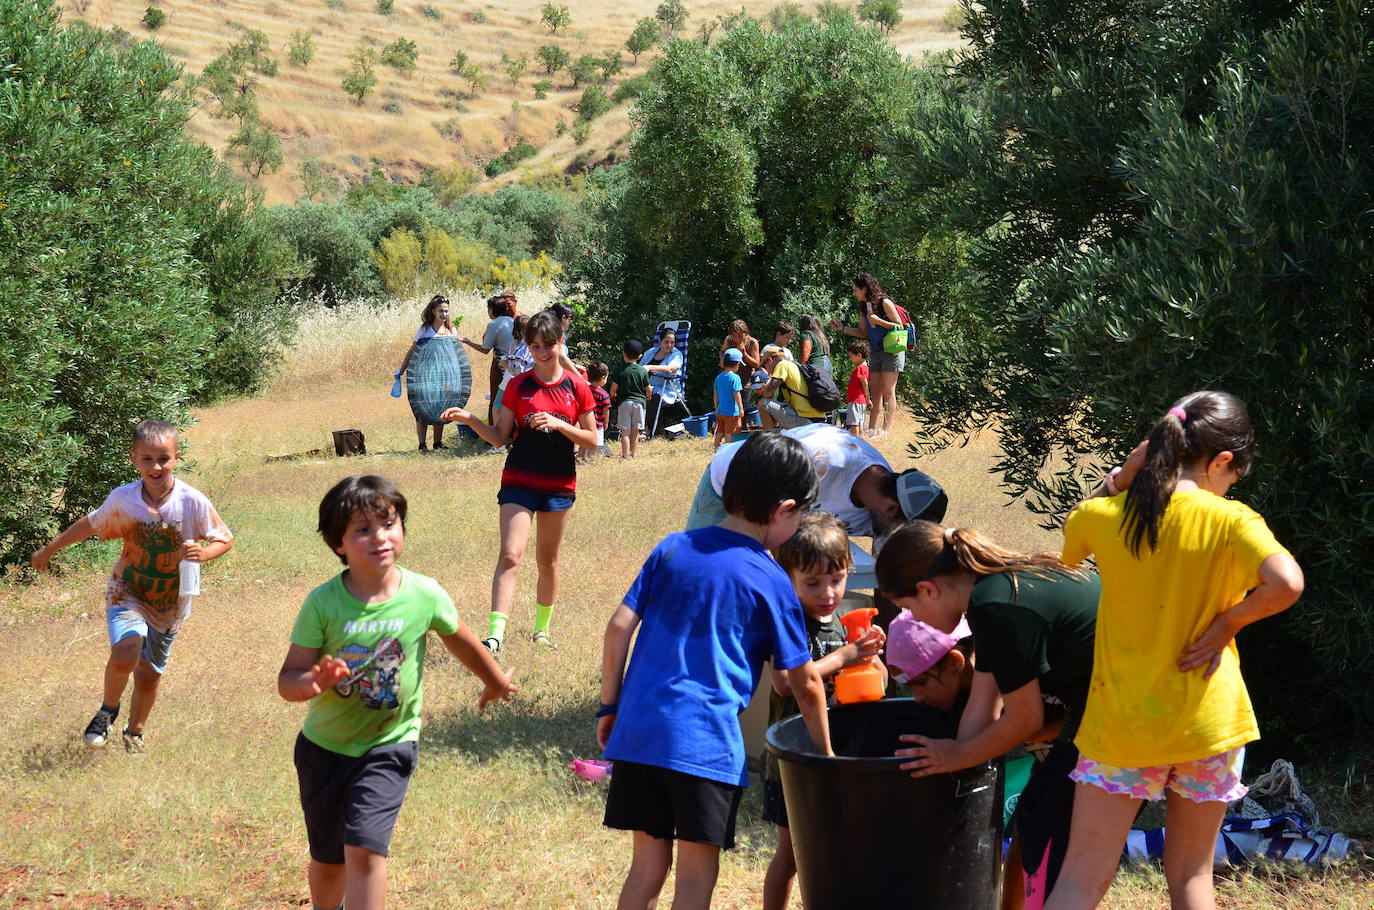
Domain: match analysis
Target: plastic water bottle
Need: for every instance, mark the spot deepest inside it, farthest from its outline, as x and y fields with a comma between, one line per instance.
x=190, y=578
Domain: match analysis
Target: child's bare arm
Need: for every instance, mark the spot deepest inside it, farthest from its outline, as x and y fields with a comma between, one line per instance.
x=809, y=690
x=863, y=384
x=868, y=647
x=304, y=674
x=781, y=684
x=463, y=645
x=615, y=648
x=195, y=551
x=1280, y=585
x=79, y=531
x=497, y=434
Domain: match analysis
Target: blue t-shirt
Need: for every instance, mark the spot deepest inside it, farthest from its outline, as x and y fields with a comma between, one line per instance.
x=727, y=384
x=713, y=607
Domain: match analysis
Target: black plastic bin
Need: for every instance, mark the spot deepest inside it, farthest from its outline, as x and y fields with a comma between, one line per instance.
x=867, y=834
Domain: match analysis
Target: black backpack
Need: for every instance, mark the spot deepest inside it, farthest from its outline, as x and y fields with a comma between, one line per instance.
x=821, y=390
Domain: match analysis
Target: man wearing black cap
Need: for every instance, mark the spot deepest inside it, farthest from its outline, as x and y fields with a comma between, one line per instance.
x=857, y=484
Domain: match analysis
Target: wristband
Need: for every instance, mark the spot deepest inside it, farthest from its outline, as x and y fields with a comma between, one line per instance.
x=607, y=710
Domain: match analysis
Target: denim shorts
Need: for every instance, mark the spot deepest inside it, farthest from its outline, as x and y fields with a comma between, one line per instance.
x=534, y=500
x=123, y=620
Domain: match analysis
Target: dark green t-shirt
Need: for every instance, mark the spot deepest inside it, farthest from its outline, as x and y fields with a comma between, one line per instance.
x=821, y=638
x=1040, y=629
x=631, y=381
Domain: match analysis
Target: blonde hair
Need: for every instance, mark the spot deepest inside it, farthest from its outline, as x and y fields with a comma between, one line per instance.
x=821, y=542
x=921, y=550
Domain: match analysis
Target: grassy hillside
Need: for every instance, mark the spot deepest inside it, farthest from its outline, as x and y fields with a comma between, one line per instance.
x=408, y=122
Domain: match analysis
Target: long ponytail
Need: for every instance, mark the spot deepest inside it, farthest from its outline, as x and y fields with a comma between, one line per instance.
x=1197, y=426
x=921, y=550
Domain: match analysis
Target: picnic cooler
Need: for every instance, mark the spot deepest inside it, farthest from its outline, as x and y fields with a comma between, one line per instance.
x=697, y=426
x=867, y=834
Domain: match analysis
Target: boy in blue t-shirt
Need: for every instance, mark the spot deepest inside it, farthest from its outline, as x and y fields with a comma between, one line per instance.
x=357, y=655
x=711, y=606
x=728, y=392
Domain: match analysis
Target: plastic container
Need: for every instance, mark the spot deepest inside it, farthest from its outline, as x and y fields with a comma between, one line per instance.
x=868, y=835
x=188, y=582
x=861, y=682
x=696, y=426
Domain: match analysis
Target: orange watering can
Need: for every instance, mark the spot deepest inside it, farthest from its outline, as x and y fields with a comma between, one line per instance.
x=861, y=682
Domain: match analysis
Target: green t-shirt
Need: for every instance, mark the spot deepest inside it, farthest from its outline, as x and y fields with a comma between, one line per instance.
x=384, y=646
x=1043, y=629
x=632, y=381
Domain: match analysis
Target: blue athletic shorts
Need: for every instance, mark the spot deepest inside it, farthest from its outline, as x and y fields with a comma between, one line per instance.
x=534, y=500
x=124, y=621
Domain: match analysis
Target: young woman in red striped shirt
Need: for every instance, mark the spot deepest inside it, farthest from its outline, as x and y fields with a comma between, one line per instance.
x=545, y=414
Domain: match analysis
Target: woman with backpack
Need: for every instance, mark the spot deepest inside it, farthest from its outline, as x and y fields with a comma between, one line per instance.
x=878, y=317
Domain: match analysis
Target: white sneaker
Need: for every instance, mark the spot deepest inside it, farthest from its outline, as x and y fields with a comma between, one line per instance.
x=495, y=450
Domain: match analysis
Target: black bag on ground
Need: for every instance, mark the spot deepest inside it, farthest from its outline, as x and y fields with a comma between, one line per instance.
x=821, y=390
x=349, y=442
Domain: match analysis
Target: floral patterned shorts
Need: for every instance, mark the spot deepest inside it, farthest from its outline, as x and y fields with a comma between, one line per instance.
x=1214, y=779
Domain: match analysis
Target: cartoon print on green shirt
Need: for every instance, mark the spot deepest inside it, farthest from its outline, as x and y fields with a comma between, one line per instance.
x=374, y=672
x=158, y=578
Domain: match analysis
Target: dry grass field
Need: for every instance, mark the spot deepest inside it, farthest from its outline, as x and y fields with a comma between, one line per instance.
x=209, y=817
x=314, y=118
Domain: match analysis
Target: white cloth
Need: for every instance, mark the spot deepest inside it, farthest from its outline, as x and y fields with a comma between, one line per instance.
x=427, y=331
x=839, y=457
x=666, y=385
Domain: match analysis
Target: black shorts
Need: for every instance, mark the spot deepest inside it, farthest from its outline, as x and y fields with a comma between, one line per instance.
x=1044, y=813
x=352, y=801
x=774, y=805
x=672, y=805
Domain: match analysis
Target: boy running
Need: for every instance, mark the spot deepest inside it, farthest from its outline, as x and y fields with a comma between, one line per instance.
x=357, y=655
x=162, y=522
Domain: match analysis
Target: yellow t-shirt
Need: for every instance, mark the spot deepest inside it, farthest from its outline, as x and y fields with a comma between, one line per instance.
x=794, y=389
x=1141, y=710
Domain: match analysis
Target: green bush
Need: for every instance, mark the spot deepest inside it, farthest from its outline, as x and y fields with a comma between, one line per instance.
x=518, y=152
x=592, y=104
x=644, y=36
x=153, y=18
x=555, y=17
x=138, y=277
x=631, y=88
x=553, y=58
x=785, y=15
x=402, y=55
x=386, y=7
x=886, y=14
x=542, y=89
x=430, y=12
x=302, y=48
x=584, y=69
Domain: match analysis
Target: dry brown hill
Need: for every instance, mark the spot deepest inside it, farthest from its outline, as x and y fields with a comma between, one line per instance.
x=407, y=122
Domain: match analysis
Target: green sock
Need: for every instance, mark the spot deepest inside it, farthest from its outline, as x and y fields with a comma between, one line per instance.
x=496, y=625
x=542, y=616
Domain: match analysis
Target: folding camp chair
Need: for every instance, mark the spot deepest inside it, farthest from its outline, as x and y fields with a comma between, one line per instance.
x=682, y=331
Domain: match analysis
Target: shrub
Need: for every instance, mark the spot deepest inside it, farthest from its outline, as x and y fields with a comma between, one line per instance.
x=256, y=147
x=337, y=5
x=592, y=104
x=402, y=55
x=631, y=88
x=610, y=64
x=302, y=49
x=459, y=63
x=786, y=15
x=555, y=17
x=886, y=14
x=153, y=18
x=476, y=79
x=430, y=12
x=643, y=37
x=515, y=66
x=477, y=17
x=581, y=131
x=518, y=152
x=553, y=58
x=451, y=129
x=138, y=277
x=386, y=7
x=392, y=107
x=542, y=89
x=584, y=69
x=672, y=15
x=358, y=83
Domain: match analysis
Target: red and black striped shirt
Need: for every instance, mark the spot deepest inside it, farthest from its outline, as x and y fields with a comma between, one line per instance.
x=540, y=460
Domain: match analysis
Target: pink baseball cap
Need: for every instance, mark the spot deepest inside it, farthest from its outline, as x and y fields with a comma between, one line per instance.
x=913, y=647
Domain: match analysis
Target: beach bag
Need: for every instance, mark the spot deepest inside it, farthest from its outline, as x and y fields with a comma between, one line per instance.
x=903, y=337
x=910, y=326
x=821, y=390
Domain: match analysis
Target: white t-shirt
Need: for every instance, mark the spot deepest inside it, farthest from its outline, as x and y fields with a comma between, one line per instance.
x=839, y=458
x=427, y=331
x=149, y=565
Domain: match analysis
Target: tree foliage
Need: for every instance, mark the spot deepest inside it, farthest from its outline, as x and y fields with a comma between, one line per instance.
x=302, y=48
x=402, y=55
x=752, y=186
x=644, y=36
x=137, y=278
x=256, y=147
x=584, y=69
x=1163, y=200
x=672, y=16
x=886, y=14
x=555, y=17
x=553, y=58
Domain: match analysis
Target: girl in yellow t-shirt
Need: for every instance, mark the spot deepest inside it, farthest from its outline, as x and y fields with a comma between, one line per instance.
x=1167, y=708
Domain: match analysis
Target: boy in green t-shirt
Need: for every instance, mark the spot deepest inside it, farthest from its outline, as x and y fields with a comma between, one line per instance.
x=629, y=385
x=357, y=655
